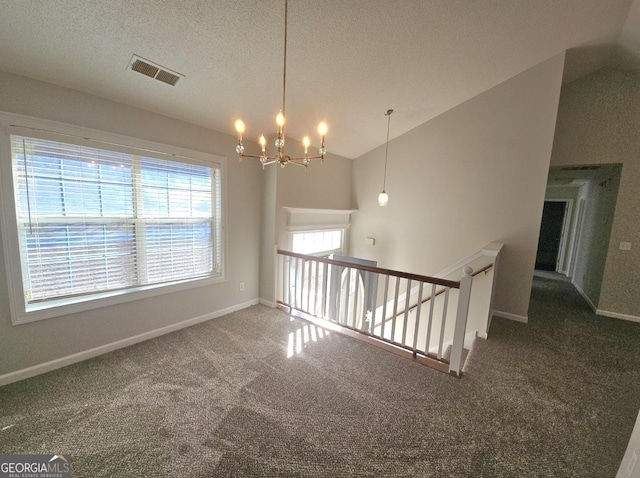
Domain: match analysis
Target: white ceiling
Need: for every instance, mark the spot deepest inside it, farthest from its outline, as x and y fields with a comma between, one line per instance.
x=348, y=60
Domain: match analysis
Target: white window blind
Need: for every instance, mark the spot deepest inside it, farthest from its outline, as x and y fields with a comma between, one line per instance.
x=92, y=220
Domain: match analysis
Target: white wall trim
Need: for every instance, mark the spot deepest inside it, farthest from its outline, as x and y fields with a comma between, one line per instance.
x=103, y=349
x=303, y=210
x=507, y=315
x=267, y=303
x=468, y=342
x=317, y=228
x=617, y=315
x=460, y=264
x=490, y=250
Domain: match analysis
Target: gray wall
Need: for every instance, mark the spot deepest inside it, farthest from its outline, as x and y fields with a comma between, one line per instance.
x=321, y=186
x=474, y=175
x=34, y=343
x=268, y=237
x=598, y=122
x=594, y=237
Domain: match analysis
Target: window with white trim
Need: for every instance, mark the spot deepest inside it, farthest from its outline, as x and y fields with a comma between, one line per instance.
x=318, y=243
x=96, y=220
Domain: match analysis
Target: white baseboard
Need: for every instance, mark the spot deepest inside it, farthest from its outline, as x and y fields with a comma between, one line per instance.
x=510, y=316
x=617, y=315
x=103, y=349
x=605, y=313
x=468, y=341
x=268, y=303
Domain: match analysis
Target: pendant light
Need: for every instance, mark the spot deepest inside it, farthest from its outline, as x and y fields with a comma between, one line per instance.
x=383, y=197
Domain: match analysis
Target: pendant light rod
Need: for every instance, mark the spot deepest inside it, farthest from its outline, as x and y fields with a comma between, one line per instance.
x=383, y=197
x=386, y=153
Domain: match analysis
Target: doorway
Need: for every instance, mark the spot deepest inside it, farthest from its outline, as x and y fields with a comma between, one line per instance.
x=584, y=240
x=552, y=234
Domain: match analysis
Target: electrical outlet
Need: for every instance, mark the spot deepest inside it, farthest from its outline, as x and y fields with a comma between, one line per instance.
x=625, y=246
x=241, y=285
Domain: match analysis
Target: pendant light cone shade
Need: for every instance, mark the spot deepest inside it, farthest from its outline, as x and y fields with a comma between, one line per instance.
x=383, y=197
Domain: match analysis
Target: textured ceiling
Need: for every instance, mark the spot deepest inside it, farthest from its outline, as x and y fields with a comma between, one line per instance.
x=349, y=60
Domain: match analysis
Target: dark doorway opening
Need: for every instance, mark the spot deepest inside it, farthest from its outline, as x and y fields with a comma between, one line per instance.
x=550, y=235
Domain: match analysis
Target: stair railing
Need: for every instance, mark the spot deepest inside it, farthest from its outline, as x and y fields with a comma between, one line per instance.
x=344, y=297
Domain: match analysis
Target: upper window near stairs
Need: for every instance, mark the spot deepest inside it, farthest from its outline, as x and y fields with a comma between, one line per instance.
x=318, y=232
x=323, y=243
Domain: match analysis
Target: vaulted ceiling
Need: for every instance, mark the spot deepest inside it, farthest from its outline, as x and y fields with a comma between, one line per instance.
x=348, y=60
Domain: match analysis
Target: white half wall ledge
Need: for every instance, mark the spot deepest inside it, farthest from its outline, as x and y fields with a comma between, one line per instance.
x=507, y=315
x=490, y=250
x=617, y=315
x=39, y=369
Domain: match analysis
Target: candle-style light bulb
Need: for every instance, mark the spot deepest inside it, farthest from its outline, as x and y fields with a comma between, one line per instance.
x=322, y=130
x=239, y=127
x=306, y=142
x=263, y=142
x=239, y=124
x=280, y=139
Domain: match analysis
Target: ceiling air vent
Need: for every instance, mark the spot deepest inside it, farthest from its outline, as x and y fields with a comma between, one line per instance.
x=153, y=70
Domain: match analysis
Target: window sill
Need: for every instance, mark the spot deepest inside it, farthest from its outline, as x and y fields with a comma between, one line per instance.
x=58, y=308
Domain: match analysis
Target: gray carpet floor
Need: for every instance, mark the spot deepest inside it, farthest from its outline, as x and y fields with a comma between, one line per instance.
x=253, y=394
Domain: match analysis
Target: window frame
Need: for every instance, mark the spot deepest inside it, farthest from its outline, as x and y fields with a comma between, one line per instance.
x=321, y=229
x=319, y=220
x=28, y=126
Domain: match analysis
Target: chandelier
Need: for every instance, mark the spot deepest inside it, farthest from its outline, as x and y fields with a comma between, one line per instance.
x=280, y=156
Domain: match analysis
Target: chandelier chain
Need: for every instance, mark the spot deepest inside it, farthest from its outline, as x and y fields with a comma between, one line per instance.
x=284, y=74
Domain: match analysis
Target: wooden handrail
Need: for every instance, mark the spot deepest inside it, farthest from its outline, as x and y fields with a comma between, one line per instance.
x=484, y=269
x=441, y=291
x=375, y=270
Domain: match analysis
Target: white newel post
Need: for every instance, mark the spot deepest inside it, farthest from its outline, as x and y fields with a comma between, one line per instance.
x=276, y=274
x=455, y=363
